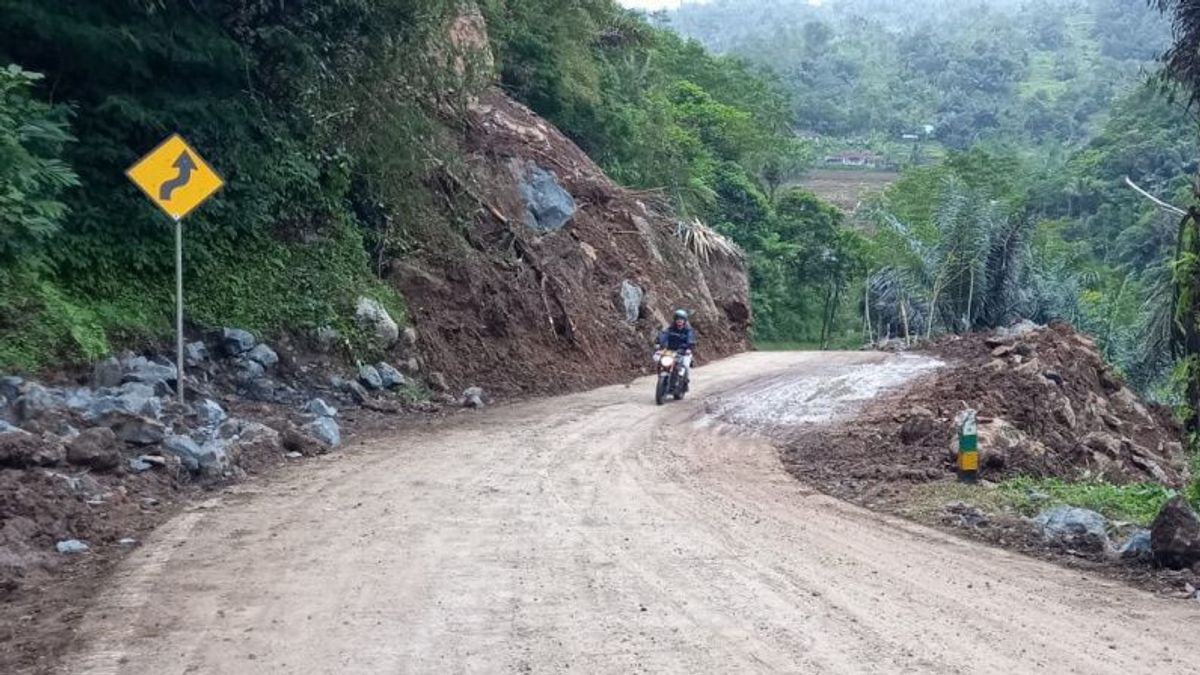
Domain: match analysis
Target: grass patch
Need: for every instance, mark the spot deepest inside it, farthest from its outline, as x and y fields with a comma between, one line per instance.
x=1138, y=502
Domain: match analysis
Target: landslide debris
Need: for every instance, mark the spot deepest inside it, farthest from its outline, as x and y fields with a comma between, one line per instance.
x=1048, y=404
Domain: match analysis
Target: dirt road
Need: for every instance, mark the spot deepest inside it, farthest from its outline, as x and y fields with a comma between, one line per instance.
x=597, y=533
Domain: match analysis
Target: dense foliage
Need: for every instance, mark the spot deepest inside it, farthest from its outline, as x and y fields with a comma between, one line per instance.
x=273, y=94
x=1021, y=71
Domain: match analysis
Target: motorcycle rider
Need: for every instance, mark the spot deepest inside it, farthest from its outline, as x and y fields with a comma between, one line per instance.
x=680, y=338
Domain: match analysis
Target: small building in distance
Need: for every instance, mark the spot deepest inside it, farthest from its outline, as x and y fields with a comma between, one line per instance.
x=855, y=158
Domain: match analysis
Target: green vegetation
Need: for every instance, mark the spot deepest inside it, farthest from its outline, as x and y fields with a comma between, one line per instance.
x=275, y=96
x=1137, y=503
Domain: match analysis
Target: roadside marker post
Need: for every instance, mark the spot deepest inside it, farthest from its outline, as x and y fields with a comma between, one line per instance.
x=968, y=447
x=177, y=179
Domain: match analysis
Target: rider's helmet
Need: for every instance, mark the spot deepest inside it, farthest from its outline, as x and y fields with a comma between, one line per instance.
x=681, y=315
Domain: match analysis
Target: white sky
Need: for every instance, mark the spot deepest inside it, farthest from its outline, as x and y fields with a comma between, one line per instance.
x=672, y=4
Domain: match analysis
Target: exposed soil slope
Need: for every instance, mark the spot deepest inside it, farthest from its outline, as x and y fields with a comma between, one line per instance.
x=524, y=309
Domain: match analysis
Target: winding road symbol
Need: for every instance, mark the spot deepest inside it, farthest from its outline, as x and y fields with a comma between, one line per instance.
x=186, y=166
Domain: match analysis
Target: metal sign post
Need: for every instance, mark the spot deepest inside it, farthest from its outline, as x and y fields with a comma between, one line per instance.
x=177, y=179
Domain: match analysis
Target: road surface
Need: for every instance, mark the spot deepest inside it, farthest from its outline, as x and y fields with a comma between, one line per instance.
x=597, y=533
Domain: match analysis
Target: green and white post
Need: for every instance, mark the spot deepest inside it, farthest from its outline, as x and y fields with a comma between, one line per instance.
x=968, y=447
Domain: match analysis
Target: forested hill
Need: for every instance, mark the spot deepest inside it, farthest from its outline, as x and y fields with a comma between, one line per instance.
x=1021, y=71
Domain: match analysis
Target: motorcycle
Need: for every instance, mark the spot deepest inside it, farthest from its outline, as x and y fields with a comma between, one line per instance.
x=670, y=380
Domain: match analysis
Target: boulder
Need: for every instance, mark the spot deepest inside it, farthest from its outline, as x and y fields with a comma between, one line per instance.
x=195, y=354
x=248, y=369
x=548, y=206
x=389, y=376
x=358, y=392
x=1074, y=528
x=409, y=336
x=1137, y=547
x=235, y=341
x=133, y=429
x=325, y=429
x=71, y=546
x=631, y=300
x=254, y=439
x=133, y=397
x=307, y=445
x=210, y=460
x=210, y=413
x=373, y=317
x=263, y=355
x=370, y=377
x=17, y=448
x=11, y=387
x=472, y=397
x=1175, y=535
x=107, y=373
x=962, y=514
x=95, y=448
x=320, y=408
x=141, y=369
x=36, y=400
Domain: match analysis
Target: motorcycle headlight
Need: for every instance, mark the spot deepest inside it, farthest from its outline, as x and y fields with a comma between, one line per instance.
x=667, y=361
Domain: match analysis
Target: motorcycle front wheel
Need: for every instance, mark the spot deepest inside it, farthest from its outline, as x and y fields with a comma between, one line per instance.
x=660, y=392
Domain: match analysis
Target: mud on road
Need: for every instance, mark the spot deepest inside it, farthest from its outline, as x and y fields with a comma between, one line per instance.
x=598, y=533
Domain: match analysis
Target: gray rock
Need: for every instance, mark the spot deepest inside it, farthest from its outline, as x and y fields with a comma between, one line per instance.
x=358, y=392
x=966, y=515
x=548, y=206
x=195, y=354
x=107, y=373
x=210, y=413
x=70, y=546
x=134, y=429
x=1175, y=535
x=264, y=355
x=370, y=378
x=214, y=459
x=11, y=387
x=127, y=541
x=96, y=449
x=80, y=399
x=320, y=408
x=326, y=430
x=35, y=402
x=410, y=336
x=631, y=299
x=235, y=341
x=389, y=376
x=248, y=369
x=372, y=316
x=293, y=455
x=5, y=428
x=473, y=397
x=133, y=397
x=141, y=369
x=186, y=450
x=1074, y=528
x=139, y=465
x=1137, y=547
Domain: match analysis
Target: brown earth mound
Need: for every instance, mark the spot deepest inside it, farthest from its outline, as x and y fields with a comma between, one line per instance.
x=524, y=309
x=1048, y=406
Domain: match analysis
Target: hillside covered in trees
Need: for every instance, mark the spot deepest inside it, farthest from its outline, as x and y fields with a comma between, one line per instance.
x=340, y=127
x=1033, y=117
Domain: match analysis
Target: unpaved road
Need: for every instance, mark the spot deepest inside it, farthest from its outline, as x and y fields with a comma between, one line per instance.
x=597, y=533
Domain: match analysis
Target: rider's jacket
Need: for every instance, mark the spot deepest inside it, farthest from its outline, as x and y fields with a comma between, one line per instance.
x=678, y=339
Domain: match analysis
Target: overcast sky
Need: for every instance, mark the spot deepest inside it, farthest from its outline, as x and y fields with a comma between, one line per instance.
x=651, y=4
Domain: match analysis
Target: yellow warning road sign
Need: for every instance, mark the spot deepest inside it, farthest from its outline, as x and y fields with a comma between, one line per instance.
x=175, y=177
